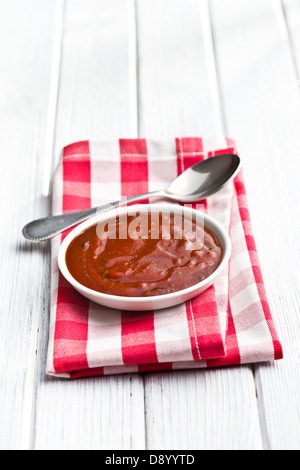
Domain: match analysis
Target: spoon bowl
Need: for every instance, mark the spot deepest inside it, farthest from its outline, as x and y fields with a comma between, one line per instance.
x=204, y=178
x=197, y=182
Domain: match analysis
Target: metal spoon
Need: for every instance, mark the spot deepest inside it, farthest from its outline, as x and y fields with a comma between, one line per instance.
x=196, y=183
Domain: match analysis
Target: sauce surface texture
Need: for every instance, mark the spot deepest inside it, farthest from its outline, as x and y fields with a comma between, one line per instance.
x=149, y=262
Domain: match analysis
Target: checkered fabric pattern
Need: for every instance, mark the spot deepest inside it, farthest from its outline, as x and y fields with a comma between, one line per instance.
x=230, y=323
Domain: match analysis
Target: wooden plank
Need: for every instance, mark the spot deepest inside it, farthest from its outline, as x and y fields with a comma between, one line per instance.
x=174, y=78
x=25, y=58
x=262, y=104
x=178, y=96
x=202, y=410
x=97, y=99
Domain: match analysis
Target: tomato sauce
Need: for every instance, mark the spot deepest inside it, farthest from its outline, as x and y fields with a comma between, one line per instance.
x=139, y=257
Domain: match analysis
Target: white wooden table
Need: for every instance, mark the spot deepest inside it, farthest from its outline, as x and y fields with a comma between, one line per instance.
x=93, y=69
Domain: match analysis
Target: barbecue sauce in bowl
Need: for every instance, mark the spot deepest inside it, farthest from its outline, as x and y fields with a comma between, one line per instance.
x=139, y=257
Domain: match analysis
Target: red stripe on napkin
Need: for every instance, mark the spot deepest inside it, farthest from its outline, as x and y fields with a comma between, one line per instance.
x=138, y=339
x=76, y=167
x=134, y=167
x=231, y=345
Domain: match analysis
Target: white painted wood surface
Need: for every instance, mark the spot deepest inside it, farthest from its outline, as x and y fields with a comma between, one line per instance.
x=92, y=69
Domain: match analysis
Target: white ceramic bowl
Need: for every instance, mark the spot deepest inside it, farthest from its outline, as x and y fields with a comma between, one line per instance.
x=153, y=302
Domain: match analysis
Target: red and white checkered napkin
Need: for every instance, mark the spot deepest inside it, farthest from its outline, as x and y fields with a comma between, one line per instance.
x=230, y=323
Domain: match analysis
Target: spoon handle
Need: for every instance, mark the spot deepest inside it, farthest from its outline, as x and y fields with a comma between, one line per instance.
x=42, y=229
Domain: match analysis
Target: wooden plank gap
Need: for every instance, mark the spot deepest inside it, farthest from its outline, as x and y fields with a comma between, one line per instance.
x=133, y=57
x=137, y=69
x=285, y=29
x=261, y=411
x=212, y=67
x=28, y=418
x=49, y=160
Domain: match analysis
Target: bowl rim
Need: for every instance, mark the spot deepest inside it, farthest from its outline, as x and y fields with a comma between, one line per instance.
x=213, y=224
